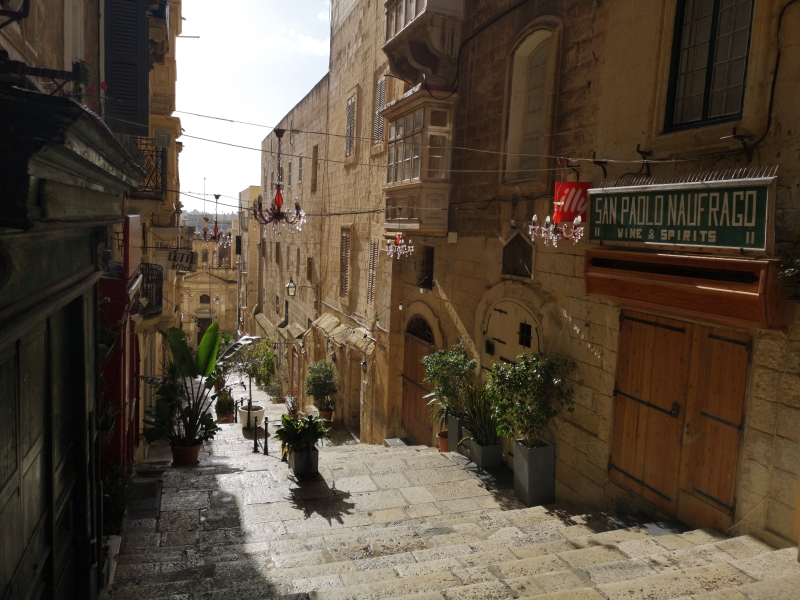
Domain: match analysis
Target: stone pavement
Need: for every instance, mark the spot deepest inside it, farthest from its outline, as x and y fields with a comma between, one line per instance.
x=409, y=522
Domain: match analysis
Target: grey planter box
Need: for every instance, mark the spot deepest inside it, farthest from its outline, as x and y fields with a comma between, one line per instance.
x=486, y=457
x=535, y=474
x=304, y=463
x=455, y=431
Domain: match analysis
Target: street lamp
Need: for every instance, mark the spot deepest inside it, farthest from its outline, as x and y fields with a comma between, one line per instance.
x=292, y=287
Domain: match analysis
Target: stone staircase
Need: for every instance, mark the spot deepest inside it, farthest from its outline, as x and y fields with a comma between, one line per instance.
x=409, y=522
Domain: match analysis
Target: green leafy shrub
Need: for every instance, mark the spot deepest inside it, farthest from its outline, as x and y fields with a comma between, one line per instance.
x=301, y=434
x=527, y=395
x=451, y=372
x=224, y=403
x=478, y=407
x=321, y=384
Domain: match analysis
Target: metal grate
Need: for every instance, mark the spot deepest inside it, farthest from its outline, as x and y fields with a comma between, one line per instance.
x=153, y=161
x=151, y=290
x=702, y=177
x=344, y=266
x=373, y=266
x=419, y=328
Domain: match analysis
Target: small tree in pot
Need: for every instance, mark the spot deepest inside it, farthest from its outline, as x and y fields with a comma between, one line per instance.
x=321, y=385
x=485, y=448
x=526, y=397
x=451, y=372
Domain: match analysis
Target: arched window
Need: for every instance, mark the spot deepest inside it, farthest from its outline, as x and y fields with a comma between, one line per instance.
x=205, y=299
x=527, y=122
x=419, y=328
x=518, y=257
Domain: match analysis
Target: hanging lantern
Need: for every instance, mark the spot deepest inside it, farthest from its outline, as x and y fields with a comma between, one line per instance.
x=275, y=214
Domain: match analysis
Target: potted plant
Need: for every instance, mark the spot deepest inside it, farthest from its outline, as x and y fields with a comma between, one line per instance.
x=321, y=385
x=224, y=406
x=526, y=397
x=298, y=437
x=278, y=389
x=485, y=448
x=183, y=394
x=451, y=372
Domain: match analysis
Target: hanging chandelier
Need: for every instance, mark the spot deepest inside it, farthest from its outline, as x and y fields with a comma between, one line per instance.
x=552, y=232
x=216, y=235
x=224, y=240
x=275, y=214
x=399, y=247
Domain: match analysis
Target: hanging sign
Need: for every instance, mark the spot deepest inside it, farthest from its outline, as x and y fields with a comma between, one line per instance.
x=721, y=214
x=182, y=260
x=571, y=200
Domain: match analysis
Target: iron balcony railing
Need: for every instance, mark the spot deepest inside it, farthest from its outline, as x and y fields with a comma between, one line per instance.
x=153, y=160
x=152, y=290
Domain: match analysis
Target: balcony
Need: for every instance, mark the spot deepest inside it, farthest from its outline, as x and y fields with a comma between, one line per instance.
x=153, y=160
x=423, y=37
x=152, y=290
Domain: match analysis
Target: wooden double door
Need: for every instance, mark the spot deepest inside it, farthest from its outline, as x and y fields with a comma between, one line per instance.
x=678, y=414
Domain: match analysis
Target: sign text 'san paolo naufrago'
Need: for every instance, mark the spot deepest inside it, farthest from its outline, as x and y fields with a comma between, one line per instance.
x=726, y=215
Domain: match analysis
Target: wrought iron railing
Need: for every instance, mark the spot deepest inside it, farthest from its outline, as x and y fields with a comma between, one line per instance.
x=152, y=290
x=153, y=160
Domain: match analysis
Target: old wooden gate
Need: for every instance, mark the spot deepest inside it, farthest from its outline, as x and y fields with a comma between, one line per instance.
x=416, y=414
x=678, y=414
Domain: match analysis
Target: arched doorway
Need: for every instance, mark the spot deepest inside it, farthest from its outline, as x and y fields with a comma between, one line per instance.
x=416, y=414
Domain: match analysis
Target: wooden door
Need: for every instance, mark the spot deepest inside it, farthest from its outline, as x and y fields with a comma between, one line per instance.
x=202, y=325
x=416, y=414
x=678, y=415
x=713, y=427
x=649, y=406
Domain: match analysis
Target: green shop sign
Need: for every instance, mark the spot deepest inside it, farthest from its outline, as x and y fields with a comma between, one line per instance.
x=720, y=215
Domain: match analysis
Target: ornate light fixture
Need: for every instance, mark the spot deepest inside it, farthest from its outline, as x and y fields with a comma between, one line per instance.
x=552, y=232
x=399, y=247
x=275, y=214
x=292, y=287
x=217, y=235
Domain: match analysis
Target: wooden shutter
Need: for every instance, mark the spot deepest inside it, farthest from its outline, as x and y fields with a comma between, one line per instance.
x=351, y=126
x=314, y=164
x=309, y=268
x=344, y=266
x=426, y=281
x=380, y=100
x=373, y=266
x=127, y=66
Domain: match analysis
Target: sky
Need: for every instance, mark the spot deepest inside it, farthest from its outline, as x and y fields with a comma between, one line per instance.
x=252, y=63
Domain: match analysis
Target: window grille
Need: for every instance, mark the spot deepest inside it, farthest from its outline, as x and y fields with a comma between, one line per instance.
x=525, y=334
x=350, y=133
x=709, y=60
x=314, y=166
x=373, y=267
x=344, y=265
x=300, y=168
x=297, y=265
x=289, y=180
x=419, y=328
x=205, y=299
x=380, y=100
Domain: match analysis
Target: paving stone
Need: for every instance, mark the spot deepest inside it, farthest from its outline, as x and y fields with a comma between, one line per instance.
x=677, y=583
x=491, y=590
x=774, y=589
x=360, y=483
x=579, y=594
x=744, y=546
x=422, y=510
x=179, y=538
x=532, y=566
x=486, y=558
x=184, y=500
x=547, y=583
x=391, y=481
x=781, y=563
x=591, y=556
x=427, y=567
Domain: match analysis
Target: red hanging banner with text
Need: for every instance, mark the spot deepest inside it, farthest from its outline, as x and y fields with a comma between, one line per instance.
x=571, y=200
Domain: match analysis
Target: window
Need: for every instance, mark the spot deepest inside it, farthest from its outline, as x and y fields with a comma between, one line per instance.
x=205, y=256
x=205, y=299
x=350, y=131
x=426, y=279
x=286, y=310
x=529, y=108
x=278, y=253
x=344, y=263
x=525, y=335
x=518, y=258
x=405, y=148
x=309, y=268
x=300, y=168
x=380, y=100
x=289, y=180
x=297, y=265
x=277, y=305
x=709, y=61
x=314, y=166
x=373, y=267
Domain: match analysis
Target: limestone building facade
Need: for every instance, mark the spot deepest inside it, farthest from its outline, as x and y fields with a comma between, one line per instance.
x=450, y=123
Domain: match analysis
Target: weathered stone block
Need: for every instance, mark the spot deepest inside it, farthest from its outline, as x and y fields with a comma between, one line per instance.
x=783, y=487
x=771, y=352
x=786, y=454
x=762, y=415
x=789, y=422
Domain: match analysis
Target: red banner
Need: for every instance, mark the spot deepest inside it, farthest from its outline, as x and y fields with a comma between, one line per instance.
x=571, y=200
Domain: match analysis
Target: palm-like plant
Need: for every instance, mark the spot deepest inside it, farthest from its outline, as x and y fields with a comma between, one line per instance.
x=183, y=393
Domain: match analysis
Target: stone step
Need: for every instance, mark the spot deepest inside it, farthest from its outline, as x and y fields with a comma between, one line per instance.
x=550, y=567
x=779, y=588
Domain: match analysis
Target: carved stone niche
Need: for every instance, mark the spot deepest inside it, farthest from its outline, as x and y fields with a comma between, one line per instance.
x=423, y=38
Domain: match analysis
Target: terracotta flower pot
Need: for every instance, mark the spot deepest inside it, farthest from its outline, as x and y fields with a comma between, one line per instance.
x=185, y=456
x=225, y=417
x=326, y=414
x=443, y=441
